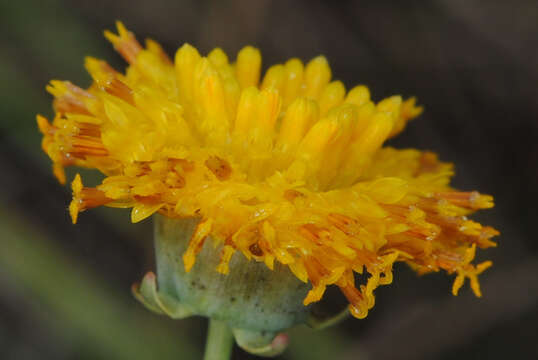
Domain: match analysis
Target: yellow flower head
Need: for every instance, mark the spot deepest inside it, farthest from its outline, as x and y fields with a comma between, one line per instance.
x=285, y=167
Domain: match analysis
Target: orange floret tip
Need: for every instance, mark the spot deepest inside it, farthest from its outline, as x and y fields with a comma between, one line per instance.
x=283, y=166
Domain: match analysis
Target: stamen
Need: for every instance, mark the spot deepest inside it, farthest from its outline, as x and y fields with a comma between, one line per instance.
x=225, y=257
x=69, y=98
x=125, y=43
x=196, y=243
x=85, y=198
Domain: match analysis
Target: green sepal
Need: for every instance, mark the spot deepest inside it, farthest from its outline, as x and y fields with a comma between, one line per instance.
x=319, y=321
x=260, y=343
x=146, y=292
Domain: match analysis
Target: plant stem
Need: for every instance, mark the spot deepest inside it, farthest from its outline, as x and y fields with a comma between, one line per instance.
x=219, y=341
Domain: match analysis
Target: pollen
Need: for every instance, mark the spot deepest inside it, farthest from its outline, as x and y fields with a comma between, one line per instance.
x=283, y=166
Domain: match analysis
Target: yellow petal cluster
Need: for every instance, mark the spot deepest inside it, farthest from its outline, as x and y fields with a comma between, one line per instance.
x=284, y=166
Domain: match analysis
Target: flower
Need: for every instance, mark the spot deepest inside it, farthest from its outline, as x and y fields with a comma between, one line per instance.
x=289, y=169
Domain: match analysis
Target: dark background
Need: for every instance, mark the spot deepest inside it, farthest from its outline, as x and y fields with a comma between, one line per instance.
x=64, y=289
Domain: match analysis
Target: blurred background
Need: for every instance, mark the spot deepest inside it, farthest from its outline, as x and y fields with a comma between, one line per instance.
x=65, y=290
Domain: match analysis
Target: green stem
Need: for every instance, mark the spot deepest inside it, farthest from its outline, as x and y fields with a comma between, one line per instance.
x=219, y=341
